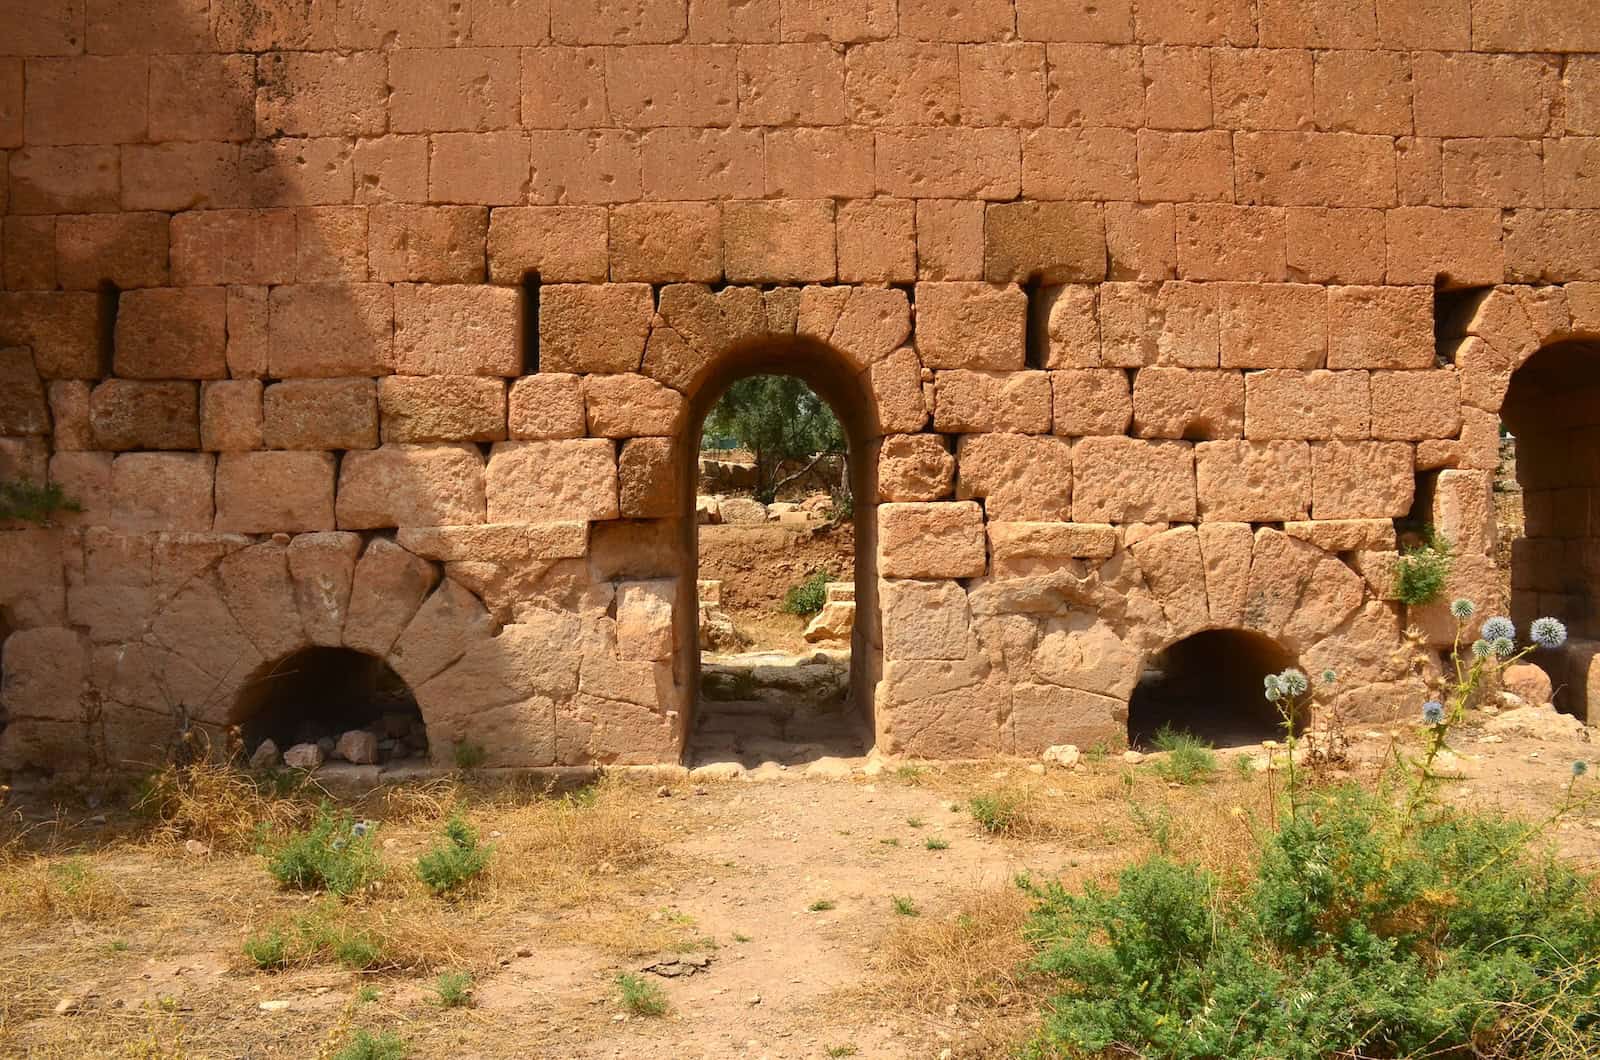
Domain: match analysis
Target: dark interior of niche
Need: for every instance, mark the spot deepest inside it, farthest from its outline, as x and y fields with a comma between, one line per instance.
x=1210, y=686
x=1453, y=308
x=530, y=323
x=318, y=694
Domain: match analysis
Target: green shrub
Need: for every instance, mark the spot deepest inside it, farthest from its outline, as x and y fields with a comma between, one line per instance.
x=1189, y=760
x=640, y=996
x=903, y=906
x=31, y=503
x=364, y=1045
x=269, y=951
x=808, y=596
x=1421, y=573
x=455, y=861
x=468, y=756
x=996, y=812
x=1356, y=934
x=336, y=854
x=454, y=989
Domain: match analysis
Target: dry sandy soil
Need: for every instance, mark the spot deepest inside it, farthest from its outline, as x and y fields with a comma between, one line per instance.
x=116, y=940
x=758, y=564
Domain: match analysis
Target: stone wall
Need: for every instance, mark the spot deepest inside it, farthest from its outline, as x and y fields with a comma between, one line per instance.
x=390, y=323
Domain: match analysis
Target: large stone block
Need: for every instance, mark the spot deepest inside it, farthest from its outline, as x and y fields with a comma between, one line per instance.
x=664, y=242
x=1319, y=405
x=449, y=622
x=45, y=670
x=230, y=415
x=558, y=244
x=389, y=586
x=647, y=479
x=1361, y=480
x=1410, y=406
x=915, y=467
x=1176, y=324
x=1253, y=482
x=630, y=406
x=62, y=327
x=1022, y=478
x=781, y=241
x=320, y=414
x=1044, y=242
x=644, y=620
x=411, y=485
x=442, y=408
x=265, y=493
x=548, y=405
x=330, y=330
x=23, y=408
x=130, y=414
x=457, y=330
x=979, y=401
x=1380, y=327
x=1273, y=325
x=1184, y=403
x=1089, y=401
x=938, y=540
x=940, y=708
x=322, y=568
x=594, y=327
x=172, y=333
x=1124, y=480
x=971, y=325
x=1018, y=550
x=547, y=480
x=162, y=491
x=925, y=619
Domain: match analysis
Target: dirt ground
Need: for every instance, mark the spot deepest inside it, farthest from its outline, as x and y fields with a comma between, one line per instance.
x=759, y=563
x=858, y=913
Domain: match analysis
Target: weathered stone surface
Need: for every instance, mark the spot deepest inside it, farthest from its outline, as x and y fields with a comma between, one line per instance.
x=320, y=414
x=264, y=493
x=924, y=620
x=411, y=485
x=441, y=408
x=915, y=467
x=1254, y=482
x=1127, y=480
x=127, y=414
x=971, y=325
x=543, y=481
x=23, y=409
x=1361, y=480
x=444, y=627
x=322, y=567
x=1020, y=477
x=938, y=540
x=1175, y=571
x=647, y=479
x=260, y=595
x=939, y=709
x=594, y=328
x=549, y=405
x=388, y=587
x=977, y=401
x=630, y=406
x=45, y=670
x=644, y=620
x=1184, y=403
x=163, y=491
x=1021, y=549
x=1090, y=401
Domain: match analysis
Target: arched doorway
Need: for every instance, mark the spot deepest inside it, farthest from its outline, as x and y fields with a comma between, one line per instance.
x=1551, y=416
x=1209, y=685
x=349, y=704
x=795, y=716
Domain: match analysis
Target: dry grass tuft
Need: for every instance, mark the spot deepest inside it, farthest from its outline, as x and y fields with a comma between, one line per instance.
x=43, y=890
x=966, y=970
x=221, y=806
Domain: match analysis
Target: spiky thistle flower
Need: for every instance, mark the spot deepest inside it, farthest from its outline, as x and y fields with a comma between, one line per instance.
x=1329, y=676
x=1498, y=628
x=1433, y=712
x=1273, y=686
x=1548, y=632
x=1481, y=650
x=1579, y=768
x=1294, y=682
x=1462, y=608
x=1504, y=647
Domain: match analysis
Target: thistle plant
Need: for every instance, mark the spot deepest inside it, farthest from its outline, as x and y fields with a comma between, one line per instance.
x=1290, y=693
x=1484, y=658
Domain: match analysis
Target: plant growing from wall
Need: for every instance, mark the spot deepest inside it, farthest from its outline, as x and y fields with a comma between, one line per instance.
x=1423, y=569
x=32, y=503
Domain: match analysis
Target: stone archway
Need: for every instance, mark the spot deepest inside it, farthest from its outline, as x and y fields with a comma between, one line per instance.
x=843, y=385
x=1552, y=411
x=1209, y=683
